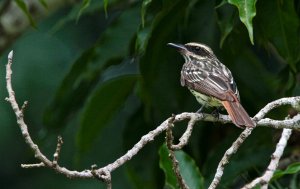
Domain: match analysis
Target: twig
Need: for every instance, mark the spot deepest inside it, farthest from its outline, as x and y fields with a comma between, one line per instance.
x=37, y=165
x=291, y=123
x=175, y=165
x=186, y=135
x=104, y=173
x=293, y=101
x=266, y=177
x=24, y=130
x=57, y=151
x=225, y=160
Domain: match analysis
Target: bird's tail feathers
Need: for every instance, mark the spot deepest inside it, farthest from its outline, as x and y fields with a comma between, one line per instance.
x=238, y=114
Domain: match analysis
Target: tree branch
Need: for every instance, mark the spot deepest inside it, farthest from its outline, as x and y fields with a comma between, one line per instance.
x=290, y=123
x=104, y=173
x=24, y=130
x=275, y=157
x=225, y=160
x=175, y=164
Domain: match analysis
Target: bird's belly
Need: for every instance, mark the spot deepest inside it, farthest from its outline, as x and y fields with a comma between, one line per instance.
x=206, y=100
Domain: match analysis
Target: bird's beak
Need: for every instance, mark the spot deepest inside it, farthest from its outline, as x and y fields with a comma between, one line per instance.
x=179, y=47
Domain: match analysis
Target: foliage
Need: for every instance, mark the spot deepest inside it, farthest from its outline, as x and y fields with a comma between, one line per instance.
x=291, y=169
x=118, y=80
x=22, y=5
x=188, y=169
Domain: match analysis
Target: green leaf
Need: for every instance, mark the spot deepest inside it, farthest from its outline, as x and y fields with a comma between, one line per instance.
x=141, y=176
x=247, y=12
x=145, y=5
x=291, y=169
x=105, y=5
x=278, y=30
x=78, y=11
x=102, y=106
x=188, y=169
x=158, y=73
x=226, y=20
x=87, y=70
x=22, y=5
x=85, y=4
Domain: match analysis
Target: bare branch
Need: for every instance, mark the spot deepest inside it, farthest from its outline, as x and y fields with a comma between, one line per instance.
x=186, y=135
x=291, y=123
x=104, y=173
x=37, y=165
x=266, y=177
x=57, y=151
x=225, y=160
x=175, y=165
x=24, y=130
x=293, y=101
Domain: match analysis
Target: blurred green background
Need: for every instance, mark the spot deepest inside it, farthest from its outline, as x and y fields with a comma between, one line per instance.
x=99, y=74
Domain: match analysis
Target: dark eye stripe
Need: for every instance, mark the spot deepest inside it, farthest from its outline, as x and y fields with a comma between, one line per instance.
x=198, y=50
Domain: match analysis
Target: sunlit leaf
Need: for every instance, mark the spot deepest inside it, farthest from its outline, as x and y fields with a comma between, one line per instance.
x=188, y=169
x=247, y=12
x=102, y=106
x=22, y=5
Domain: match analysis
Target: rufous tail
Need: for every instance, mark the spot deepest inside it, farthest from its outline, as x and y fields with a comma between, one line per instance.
x=238, y=114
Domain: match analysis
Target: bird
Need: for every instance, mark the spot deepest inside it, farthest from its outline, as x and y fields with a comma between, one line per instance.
x=211, y=82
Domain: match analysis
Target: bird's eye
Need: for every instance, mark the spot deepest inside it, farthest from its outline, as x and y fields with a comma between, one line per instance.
x=197, y=48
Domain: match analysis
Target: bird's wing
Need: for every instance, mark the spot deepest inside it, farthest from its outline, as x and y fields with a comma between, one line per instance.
x=207, y=82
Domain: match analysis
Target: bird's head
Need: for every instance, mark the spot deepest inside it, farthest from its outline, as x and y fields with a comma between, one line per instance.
x=193, y=50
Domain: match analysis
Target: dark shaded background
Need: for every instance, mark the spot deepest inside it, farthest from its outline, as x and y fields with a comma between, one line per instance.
x=103, y=81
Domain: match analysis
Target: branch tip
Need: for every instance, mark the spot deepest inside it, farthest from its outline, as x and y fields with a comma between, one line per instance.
x=57, y=151
x=36, y=165
x=10, y=55
x=104, y=173
x=24, y=106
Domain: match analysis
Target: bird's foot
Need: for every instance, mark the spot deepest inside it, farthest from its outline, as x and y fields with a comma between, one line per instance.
x=216, y=113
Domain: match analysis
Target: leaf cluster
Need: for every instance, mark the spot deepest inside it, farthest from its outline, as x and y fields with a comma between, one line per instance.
x=128, y=75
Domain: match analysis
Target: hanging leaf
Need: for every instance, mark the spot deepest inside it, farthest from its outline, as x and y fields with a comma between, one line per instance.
x=247, y=12
x=279, y=28
x=111, y=49
x=102, y=106
x=226, y=20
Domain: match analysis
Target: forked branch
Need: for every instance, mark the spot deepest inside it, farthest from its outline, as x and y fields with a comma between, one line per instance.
x=104, y=173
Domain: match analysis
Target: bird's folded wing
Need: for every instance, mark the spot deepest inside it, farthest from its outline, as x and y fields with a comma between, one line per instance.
x=207, y=83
